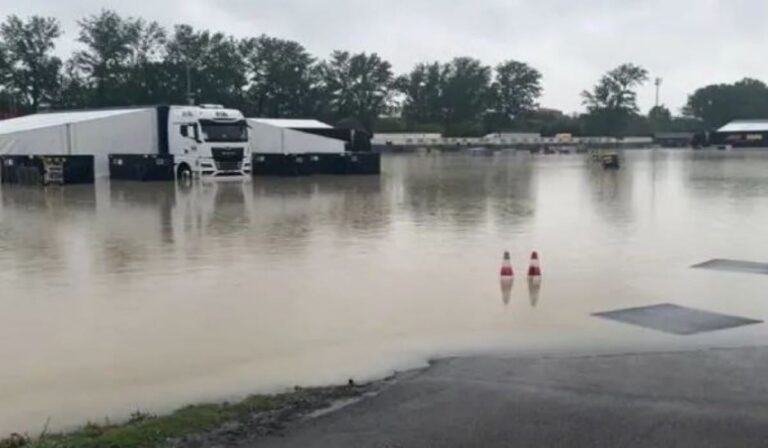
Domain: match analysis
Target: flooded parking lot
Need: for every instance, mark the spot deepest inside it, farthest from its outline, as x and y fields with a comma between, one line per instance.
x=138, y=295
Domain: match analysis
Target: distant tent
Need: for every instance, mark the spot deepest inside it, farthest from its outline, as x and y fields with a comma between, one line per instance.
x=742, y=133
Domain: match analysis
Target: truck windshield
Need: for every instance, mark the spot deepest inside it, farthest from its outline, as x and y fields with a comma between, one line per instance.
x=224, y=132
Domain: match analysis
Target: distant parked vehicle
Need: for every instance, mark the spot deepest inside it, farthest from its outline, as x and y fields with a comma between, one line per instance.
x=480, y=151
x=610, y=161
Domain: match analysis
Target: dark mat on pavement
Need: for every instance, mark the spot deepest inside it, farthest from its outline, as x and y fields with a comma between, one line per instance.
x=747, y=267
x=676, y=319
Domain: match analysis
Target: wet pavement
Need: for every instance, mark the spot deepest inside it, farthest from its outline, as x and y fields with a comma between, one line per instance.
x=709, y=398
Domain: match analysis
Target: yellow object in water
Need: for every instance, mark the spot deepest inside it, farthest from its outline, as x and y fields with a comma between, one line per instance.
x=610, y=160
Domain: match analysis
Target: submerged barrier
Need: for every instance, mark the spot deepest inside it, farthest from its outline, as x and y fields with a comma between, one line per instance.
x=349, y=163
x=46, y=169
x=142, y=167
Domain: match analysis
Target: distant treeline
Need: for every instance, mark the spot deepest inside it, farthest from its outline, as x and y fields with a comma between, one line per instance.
x=130, y=61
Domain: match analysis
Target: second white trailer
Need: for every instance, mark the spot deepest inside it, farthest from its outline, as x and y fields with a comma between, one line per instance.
x=290, y=147
x=279, y=136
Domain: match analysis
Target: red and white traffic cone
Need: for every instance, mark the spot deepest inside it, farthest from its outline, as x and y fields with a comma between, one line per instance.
x=506, y=266
x=507, y=278
x=534, y=279
x=534, y=269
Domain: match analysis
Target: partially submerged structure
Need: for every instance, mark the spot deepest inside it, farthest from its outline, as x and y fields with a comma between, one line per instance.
x=169, y=142
x=741, y=134
x=290, y=147
x=673, y=139
x=141, y=143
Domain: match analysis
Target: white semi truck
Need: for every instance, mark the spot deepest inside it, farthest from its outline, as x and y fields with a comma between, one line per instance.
x=142, y=143
x=208, y=140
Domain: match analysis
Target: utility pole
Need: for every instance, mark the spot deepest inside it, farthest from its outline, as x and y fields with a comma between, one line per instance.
x=657, y=82
x=190, y=99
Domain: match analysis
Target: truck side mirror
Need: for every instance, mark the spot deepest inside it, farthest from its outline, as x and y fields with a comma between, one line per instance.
x=184, y=131
x=197, y=133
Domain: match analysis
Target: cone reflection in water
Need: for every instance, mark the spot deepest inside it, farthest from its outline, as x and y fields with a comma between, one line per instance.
x=506, y=288
x=534, y=289
x=506, y=266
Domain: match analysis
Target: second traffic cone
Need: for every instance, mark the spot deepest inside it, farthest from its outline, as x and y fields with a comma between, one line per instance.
x=534, y=270
x=506, y=266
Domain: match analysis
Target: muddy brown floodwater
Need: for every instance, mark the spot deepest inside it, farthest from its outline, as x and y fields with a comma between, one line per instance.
x=144, y=295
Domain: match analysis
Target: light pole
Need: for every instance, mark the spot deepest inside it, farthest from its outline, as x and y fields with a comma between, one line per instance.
x=658, y=82
x=190, y=99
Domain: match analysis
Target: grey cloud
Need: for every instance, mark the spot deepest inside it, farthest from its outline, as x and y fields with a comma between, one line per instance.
x=689, y=43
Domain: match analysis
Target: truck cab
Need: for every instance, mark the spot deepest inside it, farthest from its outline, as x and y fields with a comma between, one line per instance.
x=208, y=140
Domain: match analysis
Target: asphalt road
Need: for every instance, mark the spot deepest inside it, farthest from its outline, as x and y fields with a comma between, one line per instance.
x=712, y=398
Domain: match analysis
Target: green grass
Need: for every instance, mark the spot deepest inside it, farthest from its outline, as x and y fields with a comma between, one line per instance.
x=144, y=430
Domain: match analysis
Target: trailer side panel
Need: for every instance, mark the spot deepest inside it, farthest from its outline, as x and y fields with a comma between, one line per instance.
x=49, y=140
x=271, y=139
x=131, y=133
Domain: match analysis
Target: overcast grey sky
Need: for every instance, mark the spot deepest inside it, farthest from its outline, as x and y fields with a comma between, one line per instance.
x=689, y=43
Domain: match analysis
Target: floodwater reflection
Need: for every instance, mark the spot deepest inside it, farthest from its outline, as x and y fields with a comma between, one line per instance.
x=534, y=290
x=506, y=289
x=123, y=295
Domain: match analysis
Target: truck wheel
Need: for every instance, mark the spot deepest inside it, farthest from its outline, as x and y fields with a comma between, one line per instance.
x=184, y=172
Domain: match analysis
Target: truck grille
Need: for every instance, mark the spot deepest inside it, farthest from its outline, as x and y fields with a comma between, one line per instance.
x=228, y=166
x=228, y=154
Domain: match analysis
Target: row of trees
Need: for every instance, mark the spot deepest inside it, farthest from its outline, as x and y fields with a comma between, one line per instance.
x=128, y=61
x=506, y=99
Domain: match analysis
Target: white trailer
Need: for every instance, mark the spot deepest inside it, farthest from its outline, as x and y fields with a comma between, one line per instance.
x=291, y=136
x=294, y=147
x=200, y=140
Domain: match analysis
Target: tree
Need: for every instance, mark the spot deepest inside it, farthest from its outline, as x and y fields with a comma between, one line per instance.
x=660, y=119
x=718, y=104
x=74, y=91
x=213, y=62
x=391, y=124
x=615, y=90
x=687, y=124
x=423, y=91
x=111, y=42
x=5, y=73
x=613, y=99
x=465, y=95
x=147, y=81
x=516, y=88
x=31, y=70
x=550, y=122
x=149, y=45
x=357, y=86
x=281, y=75
x=7, y=101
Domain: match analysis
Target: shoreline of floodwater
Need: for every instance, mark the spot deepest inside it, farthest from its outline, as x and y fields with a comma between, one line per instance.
x=205, y=424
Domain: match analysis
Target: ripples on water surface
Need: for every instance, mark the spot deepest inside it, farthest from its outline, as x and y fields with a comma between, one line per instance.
x=139, y=295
